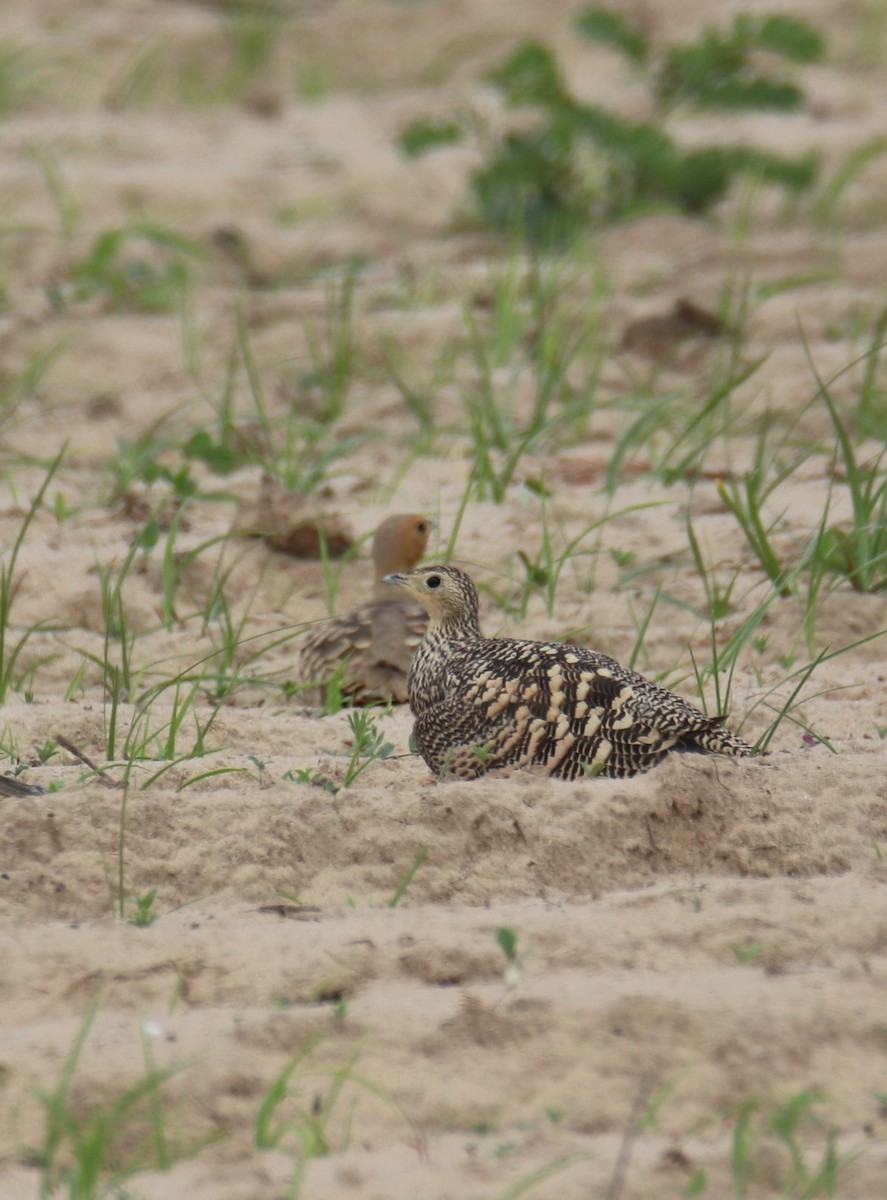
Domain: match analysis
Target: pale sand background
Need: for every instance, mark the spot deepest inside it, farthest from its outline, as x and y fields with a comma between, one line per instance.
x=717, y=929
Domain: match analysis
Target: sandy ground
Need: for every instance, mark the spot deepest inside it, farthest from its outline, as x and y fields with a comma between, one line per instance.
x=704, y=942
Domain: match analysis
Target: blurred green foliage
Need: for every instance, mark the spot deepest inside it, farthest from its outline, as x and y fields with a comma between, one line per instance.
x=549, y=176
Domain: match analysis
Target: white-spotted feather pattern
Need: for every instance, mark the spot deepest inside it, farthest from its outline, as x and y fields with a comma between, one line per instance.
x=486, y=703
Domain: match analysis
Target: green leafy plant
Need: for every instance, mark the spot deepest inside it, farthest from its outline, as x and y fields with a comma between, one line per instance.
x=792, y=1131
x=749, y=951
x=544, y=570
x=119, y=678
x=236, y=654
x=783, y=697
x=524, y=397
x=720, y=70
x=576, y=162
x=858, y=552
x=506, y=939
x=143, y=267
x=143, y=461
x=143, y=913
x=799, y=678
x=297, y=444
x=148, y=741
x=156, y=470
x=855, y=550
x=89, y=1151
x=369, y=745
x=301, y=1115
x=312, y=777
x=744, y=498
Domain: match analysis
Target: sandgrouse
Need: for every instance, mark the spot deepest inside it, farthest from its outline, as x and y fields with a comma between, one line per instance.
x=485, y=703
x=371, y=648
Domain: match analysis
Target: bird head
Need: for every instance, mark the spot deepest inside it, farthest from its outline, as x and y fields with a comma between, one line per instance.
x=400, y=542
x=447, y=593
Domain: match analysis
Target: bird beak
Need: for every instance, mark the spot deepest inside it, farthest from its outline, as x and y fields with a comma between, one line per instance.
x=394, y=578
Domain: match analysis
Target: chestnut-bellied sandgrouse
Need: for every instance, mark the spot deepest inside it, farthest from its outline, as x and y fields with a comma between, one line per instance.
x=485, y=703
x=369, y=651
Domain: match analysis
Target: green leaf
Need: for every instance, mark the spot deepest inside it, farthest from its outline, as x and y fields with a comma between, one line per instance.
x=532, y=187
x=610, y=29
x=791, y=38
x=795, y=174
x=507, y=940
x=429, y=134
x=716, y=71
x=530, y=76
x=219, y=457
x=146, y=539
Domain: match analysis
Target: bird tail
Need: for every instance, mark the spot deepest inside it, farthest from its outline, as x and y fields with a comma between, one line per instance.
x=713, y=737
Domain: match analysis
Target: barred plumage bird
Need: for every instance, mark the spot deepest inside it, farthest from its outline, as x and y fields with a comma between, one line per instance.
x=484, y=703
x=370, y=649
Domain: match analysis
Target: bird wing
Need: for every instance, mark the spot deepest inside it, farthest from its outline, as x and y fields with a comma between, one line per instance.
x=562, y=709
x=371, y=647
x=381, y=662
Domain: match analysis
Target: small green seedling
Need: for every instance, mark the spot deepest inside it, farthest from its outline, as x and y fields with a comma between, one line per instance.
x=369, y=745
x=507, y=941
x=144, y=914
x=748, y=952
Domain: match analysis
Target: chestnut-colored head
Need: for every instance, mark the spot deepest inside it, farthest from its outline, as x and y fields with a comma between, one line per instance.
x=398, y=545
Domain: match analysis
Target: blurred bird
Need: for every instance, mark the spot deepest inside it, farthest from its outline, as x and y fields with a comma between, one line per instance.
x=484, y=703
x=369, y=651
x=15, y=787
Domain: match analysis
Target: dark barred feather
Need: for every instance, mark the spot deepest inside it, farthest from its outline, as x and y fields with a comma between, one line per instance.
x=486, y=703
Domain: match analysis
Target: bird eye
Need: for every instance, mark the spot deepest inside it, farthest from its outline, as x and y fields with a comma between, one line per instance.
x=422, y=527
x=432, y=581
